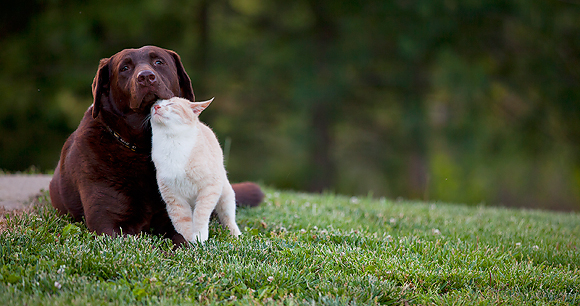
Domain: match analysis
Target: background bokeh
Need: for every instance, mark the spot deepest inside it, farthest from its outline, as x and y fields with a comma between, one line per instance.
x=468, y=101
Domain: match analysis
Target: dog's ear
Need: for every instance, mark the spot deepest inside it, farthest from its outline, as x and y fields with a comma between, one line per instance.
x=184, y=81
x=101, y=85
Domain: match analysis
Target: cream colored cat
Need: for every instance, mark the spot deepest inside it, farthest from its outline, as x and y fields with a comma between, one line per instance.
x=190, y=169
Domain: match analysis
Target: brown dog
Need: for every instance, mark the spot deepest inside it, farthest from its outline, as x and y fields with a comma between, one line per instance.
x=105, y=173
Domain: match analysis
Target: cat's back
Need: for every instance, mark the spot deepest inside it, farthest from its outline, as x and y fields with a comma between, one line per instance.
x=212, y=141
x=206, y=159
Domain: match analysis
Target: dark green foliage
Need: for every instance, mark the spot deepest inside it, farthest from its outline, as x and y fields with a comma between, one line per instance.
x=463, y=101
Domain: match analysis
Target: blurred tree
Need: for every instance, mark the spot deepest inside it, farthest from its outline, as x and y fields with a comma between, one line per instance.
x=459, y=101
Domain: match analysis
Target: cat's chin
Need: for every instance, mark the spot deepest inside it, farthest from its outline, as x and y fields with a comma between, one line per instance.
x=157, y=119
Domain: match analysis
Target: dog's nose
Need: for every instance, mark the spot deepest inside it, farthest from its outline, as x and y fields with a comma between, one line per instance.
x=146, y=78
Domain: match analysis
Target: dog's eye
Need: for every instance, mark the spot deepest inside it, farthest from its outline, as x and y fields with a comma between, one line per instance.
x=125, y=68
x=158, y=62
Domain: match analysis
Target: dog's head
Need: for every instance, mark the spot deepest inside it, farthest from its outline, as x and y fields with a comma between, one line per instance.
x=133, y=79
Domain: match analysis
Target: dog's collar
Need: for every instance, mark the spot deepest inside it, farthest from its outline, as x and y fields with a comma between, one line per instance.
x=125, y=143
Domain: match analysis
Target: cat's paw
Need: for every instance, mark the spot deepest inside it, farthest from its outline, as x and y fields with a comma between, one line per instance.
x=198, y=238
x=235, y=231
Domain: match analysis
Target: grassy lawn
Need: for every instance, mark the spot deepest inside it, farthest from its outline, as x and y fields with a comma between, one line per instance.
x=302, y=249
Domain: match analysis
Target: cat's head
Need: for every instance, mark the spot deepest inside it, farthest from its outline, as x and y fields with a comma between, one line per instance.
x=177, y=111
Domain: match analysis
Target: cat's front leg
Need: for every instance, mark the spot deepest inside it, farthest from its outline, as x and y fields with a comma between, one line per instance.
x=204, y=205
x=179, y=212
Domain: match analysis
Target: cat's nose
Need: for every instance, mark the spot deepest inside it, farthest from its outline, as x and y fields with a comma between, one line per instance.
x=156, y=107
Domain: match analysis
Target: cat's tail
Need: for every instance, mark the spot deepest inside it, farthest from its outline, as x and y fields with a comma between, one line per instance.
x=248, y=194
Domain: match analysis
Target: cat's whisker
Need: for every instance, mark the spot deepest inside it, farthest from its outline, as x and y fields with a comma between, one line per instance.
x=146, y=122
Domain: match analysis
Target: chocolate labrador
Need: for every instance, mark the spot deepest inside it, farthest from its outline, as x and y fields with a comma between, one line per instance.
x=105, y=173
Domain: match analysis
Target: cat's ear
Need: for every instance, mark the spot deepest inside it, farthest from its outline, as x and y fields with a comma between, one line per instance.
x=100, y=86
x=198, y=107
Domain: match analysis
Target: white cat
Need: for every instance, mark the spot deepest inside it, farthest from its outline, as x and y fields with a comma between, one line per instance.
x=190, y=169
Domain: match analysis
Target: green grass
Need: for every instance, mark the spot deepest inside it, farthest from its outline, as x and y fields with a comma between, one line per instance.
x=302, y=249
